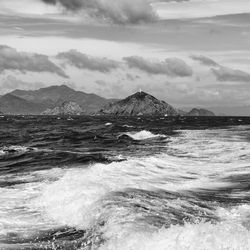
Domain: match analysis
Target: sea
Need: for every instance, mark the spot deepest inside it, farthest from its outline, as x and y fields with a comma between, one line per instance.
x=124, y=183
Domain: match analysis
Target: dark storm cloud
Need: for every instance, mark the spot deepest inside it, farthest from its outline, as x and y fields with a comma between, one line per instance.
x=68, y=4
x=225, y=74
x=205, y=60
x=11, y=59
x=118, y=11
x=83, y=61
x=173, y=67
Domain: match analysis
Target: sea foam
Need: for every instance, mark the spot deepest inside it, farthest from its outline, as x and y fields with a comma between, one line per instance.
x=203, y=236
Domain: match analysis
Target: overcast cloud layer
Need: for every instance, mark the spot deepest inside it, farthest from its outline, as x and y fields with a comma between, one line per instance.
x=114, y=48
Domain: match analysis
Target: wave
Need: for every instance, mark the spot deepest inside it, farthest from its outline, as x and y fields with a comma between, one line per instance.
x=143, y=135
x=74, y=198
x=21, y=214
x=232, y=232
x=224, y=235
x=143, y=203
x=217, y=146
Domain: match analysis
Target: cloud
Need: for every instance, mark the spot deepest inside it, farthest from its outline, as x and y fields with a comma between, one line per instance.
x=118, y=11
x=205, y=60
x=131, y=77
x=10, y=83
x=101, y=83
x=173, y=67
x=83, y=61
x=225, y=74
x=11, y=59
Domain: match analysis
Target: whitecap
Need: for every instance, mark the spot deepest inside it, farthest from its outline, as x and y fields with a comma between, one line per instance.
x=143, y=135
x=127, y=126
x=15, y=149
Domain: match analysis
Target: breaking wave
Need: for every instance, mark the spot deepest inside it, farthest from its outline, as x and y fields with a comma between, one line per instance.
x=143, y=135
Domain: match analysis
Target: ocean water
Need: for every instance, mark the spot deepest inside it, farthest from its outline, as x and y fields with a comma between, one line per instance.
x=152, y=183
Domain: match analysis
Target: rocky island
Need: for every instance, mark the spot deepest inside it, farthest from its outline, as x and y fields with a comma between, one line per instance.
x=200, y=112
x=137, y=104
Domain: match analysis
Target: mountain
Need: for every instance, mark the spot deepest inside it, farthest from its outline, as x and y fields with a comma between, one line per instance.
x=11, y=104
x=56, y=95
x=139, y=103
x=66, y=108
x=200, y=112
x=181, y=112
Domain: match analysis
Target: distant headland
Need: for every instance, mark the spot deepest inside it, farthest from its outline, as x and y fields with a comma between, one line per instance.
x=63, y=100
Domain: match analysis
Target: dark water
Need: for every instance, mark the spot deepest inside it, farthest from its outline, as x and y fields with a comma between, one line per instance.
x=127, y=183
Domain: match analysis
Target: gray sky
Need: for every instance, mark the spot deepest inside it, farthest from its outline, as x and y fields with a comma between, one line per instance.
x=189, y=53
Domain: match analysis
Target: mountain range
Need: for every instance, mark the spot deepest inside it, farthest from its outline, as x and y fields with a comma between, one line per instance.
x=63, y=100
x=37, y=101
x=11, y=104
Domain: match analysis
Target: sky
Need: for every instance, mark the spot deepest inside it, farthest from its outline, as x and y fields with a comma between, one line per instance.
x=186, y=52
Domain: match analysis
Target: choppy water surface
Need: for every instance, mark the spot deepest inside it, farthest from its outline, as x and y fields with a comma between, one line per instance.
x=127, y=183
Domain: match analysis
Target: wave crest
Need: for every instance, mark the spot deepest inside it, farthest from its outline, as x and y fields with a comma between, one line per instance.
x=143, y=135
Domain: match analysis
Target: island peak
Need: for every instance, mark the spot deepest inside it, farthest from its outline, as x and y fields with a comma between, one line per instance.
x=140, y=103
